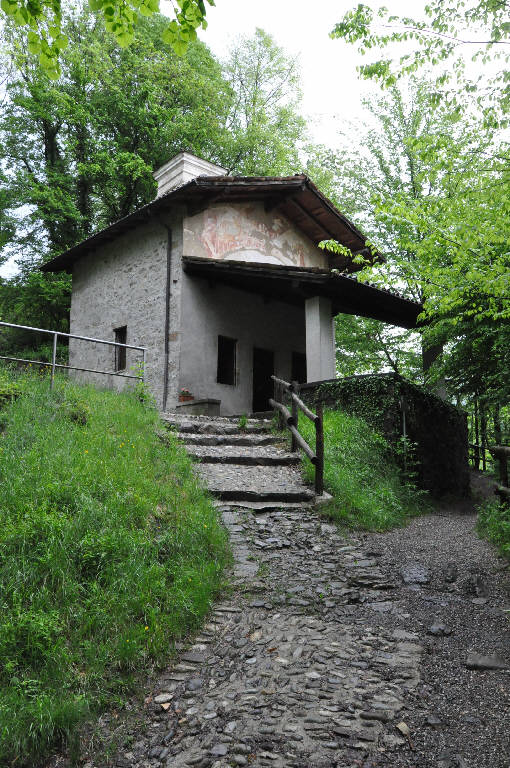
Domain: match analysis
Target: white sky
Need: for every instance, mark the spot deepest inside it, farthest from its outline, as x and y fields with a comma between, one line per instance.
x=332, y=90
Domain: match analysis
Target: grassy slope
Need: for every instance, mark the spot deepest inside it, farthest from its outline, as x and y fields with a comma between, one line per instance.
x=361, y=475
x=109, y=550
x=494, y=524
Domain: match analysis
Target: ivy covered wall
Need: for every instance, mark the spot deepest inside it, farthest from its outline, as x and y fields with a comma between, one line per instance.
x=436, y=432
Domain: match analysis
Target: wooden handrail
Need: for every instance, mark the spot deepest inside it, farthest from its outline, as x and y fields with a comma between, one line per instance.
x=290, y=388
x=282, y=409
x=500, y=450
x=311, y=415
x=290, y=420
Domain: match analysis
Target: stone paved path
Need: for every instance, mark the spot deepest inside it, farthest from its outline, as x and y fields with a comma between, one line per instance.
x=241, y=464
x=284, y=673
x=326, y=648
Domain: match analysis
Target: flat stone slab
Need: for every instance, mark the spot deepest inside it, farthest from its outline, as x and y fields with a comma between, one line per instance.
x=258, y=455
x=214, y=424
x=234, y=439
x=231, y=481
x=415, y=573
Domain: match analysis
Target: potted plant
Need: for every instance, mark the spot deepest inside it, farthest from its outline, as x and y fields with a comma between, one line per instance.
x=185, y=395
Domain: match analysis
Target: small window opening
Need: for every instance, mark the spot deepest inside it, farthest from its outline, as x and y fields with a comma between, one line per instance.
x=226, y=360
x=120, y=352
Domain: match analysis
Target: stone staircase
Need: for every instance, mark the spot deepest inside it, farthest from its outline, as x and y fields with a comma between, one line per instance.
x=242, y=466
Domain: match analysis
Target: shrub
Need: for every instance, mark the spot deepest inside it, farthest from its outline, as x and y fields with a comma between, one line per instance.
x=109, y=551
x=9, y=389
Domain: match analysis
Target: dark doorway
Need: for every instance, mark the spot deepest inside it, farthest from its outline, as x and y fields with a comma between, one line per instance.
x=298, y=367
x=263, y=369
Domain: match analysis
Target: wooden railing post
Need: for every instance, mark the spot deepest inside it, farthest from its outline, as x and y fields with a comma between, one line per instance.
x=319, y=451
x=281, y=421
x=295, y=415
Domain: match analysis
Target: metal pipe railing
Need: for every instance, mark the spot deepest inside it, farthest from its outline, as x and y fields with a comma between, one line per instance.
x=54, y=363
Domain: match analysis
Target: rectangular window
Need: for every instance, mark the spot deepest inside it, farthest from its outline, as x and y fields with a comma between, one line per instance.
x=226, y=360
x=120, y=352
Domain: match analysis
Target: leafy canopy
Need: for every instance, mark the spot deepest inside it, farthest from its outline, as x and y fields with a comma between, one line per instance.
x=42, y=22
x=447, y=36
x=79, y=152
x=430, y=186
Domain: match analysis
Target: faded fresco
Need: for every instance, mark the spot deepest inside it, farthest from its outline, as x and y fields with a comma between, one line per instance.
x=246, y=232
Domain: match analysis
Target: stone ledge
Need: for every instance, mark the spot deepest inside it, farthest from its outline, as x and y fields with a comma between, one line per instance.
x=202, y=407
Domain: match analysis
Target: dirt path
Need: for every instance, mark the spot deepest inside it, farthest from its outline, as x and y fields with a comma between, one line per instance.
x=324, y=647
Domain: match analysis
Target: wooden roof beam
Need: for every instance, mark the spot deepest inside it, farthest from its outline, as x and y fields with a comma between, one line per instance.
x=309, y=215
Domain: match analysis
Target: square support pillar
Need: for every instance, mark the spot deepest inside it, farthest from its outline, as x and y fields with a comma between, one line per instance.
x=320, y=339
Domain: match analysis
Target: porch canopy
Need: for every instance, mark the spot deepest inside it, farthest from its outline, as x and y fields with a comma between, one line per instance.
x=295, y=285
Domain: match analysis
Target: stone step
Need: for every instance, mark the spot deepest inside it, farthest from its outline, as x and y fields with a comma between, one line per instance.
x=235, y=482
x=219, y=429
x=234, y=439
x=216, y=425
x=262, y=456
x=260, y=507
x=242, y=494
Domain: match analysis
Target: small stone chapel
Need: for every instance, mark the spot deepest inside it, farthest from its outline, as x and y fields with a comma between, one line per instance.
x=222, y=280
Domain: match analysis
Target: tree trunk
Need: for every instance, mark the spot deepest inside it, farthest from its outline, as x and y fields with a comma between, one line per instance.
x=477, y=438
x=483, y=434
x=498, y=436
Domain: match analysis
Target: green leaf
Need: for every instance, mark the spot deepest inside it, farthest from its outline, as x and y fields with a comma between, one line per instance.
x=61, y=42
x=34, y=42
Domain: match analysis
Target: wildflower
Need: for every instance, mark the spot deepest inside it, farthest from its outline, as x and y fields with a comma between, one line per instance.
x=85, y=451
x=146, y=629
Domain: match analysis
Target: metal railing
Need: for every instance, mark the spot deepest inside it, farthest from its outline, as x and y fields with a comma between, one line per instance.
x=54, y=365
x=291, y=421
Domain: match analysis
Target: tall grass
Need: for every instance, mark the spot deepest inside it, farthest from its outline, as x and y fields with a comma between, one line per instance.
x=494, y=524
x=109, y=551
x=360, y=473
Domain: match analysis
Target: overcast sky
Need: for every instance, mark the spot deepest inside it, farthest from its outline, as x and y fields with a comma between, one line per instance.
x=332, y=91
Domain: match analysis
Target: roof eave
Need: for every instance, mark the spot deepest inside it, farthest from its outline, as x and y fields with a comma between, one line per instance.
x=232, y=188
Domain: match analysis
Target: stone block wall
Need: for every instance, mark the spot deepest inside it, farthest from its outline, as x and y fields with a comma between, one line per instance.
x=122, y=283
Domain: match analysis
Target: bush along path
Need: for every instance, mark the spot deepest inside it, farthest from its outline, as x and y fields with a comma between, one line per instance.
x=372, y=651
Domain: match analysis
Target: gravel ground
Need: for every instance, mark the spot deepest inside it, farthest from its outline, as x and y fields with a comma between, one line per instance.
x=458, y=717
